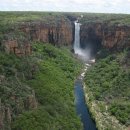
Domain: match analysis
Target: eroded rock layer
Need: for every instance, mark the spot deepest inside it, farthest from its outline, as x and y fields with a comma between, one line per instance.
x=59, y=32
x=114, y=37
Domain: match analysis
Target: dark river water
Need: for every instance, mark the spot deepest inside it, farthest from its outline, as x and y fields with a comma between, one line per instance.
x=81, y=107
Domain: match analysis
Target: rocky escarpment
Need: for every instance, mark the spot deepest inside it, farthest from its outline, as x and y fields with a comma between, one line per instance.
x=97, y=35
x=13, y=46
x=58, y=32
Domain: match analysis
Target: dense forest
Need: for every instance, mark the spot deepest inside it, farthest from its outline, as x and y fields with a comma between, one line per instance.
x=109, y=81
x=50, y=71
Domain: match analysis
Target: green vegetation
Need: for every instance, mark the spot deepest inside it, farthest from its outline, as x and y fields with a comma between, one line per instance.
x=50, y=72
x=53, y=85
x=109, y=81
x=122, y=19
x=11, y=70
x=15, y=17
x=11, y=22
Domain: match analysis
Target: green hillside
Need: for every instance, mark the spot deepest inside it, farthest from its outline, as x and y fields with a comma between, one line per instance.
x=50, y=72
x=109, y=81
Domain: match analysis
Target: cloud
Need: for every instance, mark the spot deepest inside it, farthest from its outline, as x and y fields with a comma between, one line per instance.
x=92, y=2
x=104, y=6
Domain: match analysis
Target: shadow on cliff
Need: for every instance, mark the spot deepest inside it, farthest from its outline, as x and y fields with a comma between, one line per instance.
x=91, y=42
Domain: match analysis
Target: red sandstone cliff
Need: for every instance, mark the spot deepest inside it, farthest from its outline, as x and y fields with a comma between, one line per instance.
x=12, y=46
x=114, y=37
x=59, y=32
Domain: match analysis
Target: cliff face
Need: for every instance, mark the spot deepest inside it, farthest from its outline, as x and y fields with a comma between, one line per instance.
x=91, y=37
x=12, y=46
x=116, y=37
x=113, y=37
x=59, y=32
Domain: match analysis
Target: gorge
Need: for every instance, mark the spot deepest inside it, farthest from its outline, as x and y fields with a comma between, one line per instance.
x=81, y=106
x=38, y=70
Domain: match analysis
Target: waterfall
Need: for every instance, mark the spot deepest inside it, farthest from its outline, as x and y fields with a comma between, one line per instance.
x=81, y=107
x=84, y=54
x=77, y=37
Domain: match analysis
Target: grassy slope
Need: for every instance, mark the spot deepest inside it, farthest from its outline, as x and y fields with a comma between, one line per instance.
x=109, y=81
x=53, y=84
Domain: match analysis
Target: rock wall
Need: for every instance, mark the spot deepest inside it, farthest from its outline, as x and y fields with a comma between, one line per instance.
x=61, y=32
x=12, y=46
x=113, y=37
x=58, y=32
x=116, y=37
x=91, y=37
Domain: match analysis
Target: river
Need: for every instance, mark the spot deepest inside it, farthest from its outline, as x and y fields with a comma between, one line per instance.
x=81, y=106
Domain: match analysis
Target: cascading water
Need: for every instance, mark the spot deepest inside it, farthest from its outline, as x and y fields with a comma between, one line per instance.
x=77, y=37
x=82, y=53
x=81, y=106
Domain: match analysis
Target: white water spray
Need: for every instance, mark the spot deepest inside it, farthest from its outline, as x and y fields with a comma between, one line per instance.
x=82, y=53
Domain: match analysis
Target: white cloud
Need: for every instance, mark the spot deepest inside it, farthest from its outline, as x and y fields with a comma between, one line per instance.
x=96, y=2
x=115, y=6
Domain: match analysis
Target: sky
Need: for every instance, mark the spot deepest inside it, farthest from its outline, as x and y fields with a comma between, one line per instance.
x=98, y=6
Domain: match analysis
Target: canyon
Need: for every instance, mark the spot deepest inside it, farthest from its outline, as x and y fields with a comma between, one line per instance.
x=58, y=30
